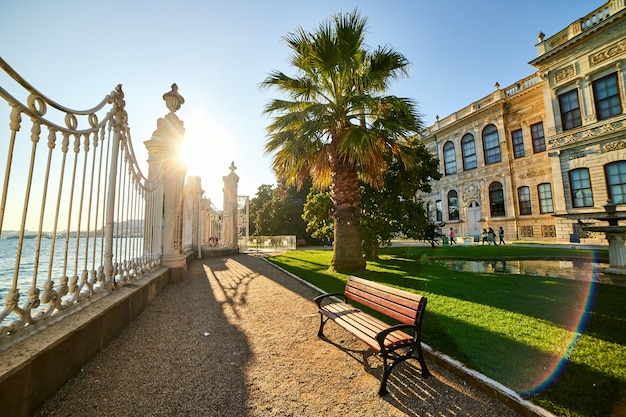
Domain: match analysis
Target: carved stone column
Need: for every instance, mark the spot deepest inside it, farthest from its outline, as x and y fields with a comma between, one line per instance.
x=164, y=163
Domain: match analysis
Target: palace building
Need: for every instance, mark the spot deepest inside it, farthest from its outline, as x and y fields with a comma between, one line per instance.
x=545, y=154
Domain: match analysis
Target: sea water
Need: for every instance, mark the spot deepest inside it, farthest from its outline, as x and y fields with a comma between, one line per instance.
x=76, y=261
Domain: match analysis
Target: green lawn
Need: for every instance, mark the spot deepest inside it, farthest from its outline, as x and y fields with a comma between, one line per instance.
x=560, y=342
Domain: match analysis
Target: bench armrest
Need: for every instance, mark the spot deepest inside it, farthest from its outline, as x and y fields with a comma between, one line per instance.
x=382, y=335
x=318, y=300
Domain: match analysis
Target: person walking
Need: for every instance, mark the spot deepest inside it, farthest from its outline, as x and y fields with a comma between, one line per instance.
x=491, y=236
x=501, y=235
x=485, y=236
x=452, y=238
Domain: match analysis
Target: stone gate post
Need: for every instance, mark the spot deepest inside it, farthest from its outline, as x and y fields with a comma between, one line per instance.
x=229, y=226
x=164, y=163
x=194, y=194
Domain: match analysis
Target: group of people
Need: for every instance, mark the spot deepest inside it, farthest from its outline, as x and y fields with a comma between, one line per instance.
x=488, y=236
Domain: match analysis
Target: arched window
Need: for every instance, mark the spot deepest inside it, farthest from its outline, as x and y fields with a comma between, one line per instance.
x=468, y=148
x=491, y=145
x=438, y=211
x=580, y=187
x=496, y=199
x=615, y=174
x=453, y=205
x=449, y=158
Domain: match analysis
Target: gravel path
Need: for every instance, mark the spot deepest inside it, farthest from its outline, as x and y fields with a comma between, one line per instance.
x=239, y=338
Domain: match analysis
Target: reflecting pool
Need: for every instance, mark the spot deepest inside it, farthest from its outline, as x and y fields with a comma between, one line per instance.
x=581, y=270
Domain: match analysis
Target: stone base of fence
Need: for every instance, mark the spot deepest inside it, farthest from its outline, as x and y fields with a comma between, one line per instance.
x=33, y=370
x=215, y=252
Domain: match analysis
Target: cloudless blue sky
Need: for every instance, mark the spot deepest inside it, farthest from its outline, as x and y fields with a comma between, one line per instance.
x=77, y=51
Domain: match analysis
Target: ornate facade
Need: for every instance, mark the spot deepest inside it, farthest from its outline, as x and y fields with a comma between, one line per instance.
x=542, y=155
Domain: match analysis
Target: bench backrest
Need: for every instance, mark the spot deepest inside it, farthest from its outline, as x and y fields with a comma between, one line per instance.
x=403, y=306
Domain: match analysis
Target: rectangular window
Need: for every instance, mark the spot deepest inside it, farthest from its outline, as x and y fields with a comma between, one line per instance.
x=615, y=173
x=570, y=110
x=438, y=210
x=545, y=198
x=606, y=96
x=580, y=187
x=523, y=194
x=518, y=143
x=539, y=140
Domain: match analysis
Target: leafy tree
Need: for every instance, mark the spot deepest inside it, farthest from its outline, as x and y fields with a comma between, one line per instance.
x=260, y=211
x=336, y=122
x=278, y=211
x=317, y=215
x=392, y=209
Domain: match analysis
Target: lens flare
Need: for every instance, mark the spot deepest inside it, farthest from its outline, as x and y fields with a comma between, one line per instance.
x=578, y=317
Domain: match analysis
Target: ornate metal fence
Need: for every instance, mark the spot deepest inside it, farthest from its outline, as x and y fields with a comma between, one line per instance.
x=78, y=219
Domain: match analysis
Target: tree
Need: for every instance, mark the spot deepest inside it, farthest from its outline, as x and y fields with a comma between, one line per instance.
x=278, y=211
x=317, y=216
x=260, y=211
x=392, y=209
x=336, y=123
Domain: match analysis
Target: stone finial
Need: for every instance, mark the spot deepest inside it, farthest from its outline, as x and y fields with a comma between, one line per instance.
x=541, y=36
x=496, y=86
x=173, y=100
x=232, y=167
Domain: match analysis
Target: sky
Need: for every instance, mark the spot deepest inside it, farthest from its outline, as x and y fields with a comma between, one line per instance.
x=218, y=53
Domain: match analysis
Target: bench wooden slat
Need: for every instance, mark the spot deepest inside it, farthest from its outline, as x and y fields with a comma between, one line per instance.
x=397, y=304
x=385, y=306
x=363, y=326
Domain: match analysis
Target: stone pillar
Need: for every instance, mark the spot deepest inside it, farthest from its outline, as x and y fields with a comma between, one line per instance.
x=194, y=194
x=229, y=225
x=164, y=163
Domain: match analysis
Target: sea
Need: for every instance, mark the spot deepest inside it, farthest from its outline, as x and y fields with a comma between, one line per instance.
x=75, y=264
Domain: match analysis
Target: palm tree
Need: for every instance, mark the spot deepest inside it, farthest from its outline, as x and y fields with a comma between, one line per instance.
x=335, y=124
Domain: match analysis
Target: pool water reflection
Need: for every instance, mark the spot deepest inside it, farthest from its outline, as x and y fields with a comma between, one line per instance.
x=570, y=269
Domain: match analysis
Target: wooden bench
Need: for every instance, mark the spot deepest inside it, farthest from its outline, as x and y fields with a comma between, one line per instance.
x=395, y=343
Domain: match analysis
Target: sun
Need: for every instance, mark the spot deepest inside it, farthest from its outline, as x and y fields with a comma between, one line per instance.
x=206, y=154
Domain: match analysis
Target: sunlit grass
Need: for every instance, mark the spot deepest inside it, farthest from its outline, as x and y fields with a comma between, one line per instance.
x=523, y=331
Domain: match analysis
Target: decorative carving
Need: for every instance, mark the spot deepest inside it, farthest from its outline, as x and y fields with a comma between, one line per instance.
x=577, y=154
x=471, y=193
x=548, y=230
x=607, y=53
x=585, y=134
x=532, y=174
x=526, y=231
x=564, y=73
x=613, y=146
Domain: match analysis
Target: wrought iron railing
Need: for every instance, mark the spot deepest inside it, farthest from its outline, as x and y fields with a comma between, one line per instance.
x=78, y=219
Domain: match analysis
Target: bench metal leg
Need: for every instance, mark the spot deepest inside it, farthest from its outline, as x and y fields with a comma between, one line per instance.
x=395, y=360
x=323, y=320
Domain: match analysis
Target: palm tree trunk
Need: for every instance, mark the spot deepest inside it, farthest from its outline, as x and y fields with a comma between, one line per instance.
x=348, y=254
